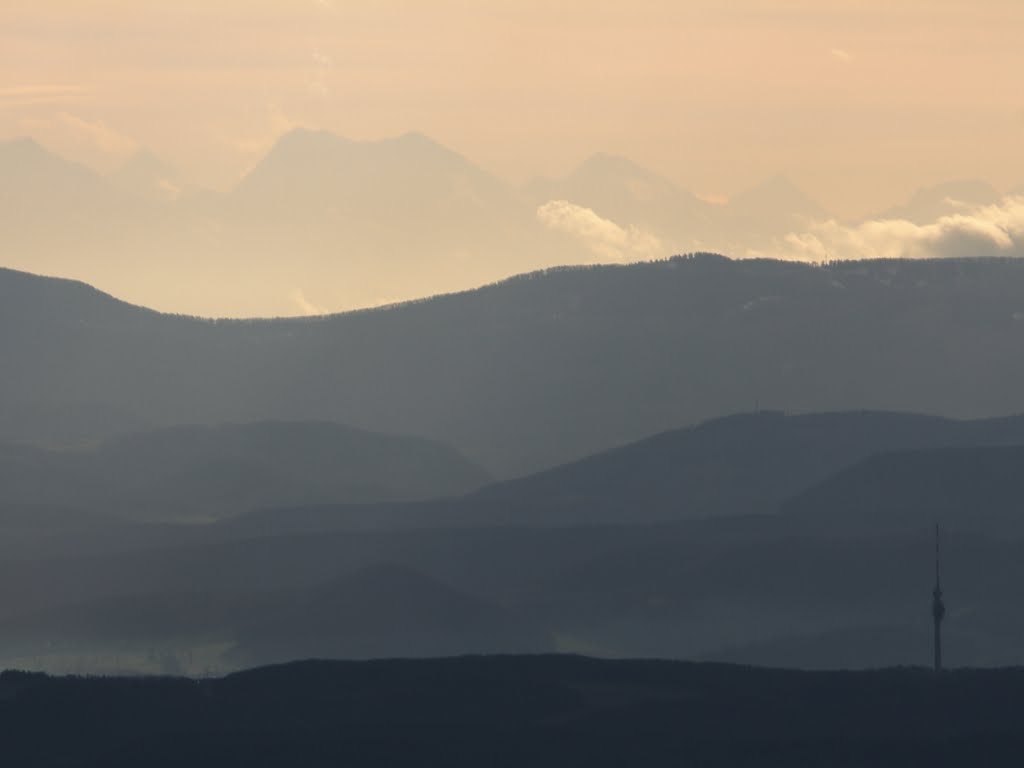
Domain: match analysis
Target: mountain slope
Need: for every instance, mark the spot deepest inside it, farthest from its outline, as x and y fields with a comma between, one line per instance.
x=966, y=488
x=210, y=472
x=738, y=465
x=775, y=206
x=545, y=368
x=321, y=221
x=621, y=191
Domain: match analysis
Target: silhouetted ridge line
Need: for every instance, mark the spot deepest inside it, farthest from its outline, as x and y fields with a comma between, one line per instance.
x=541, y=711
x=535, y=372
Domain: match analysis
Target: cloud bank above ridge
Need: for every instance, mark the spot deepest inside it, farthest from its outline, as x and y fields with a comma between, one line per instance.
x=603, y=237
x=990, y=230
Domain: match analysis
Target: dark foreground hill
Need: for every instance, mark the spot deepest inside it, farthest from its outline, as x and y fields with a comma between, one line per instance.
x=540, y=369
x=517, y=711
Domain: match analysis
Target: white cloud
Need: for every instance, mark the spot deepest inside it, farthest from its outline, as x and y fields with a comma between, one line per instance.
x=305, y=305
x=602, y=236
x=841, y=55
x=992, y=230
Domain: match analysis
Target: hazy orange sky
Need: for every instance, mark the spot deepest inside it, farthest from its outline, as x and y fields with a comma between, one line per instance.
x=859, y=102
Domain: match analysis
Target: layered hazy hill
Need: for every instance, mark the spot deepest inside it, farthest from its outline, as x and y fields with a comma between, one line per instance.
x=648, y=550
x=384, y=611
x=975, y=487
x=751, y=464
x=538, y=370
x=211, y=472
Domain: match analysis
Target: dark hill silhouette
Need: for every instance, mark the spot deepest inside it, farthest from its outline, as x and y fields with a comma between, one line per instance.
x=514, y=711
x=214, y=471
x=873, y=646
x=64, y=302
x=860, y=647
x=543, y=369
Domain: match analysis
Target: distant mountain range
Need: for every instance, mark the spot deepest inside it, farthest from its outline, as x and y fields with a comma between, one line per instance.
x=945, y=199
x=323, y=223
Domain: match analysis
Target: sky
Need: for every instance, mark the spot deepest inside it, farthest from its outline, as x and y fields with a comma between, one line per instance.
x=860, y=103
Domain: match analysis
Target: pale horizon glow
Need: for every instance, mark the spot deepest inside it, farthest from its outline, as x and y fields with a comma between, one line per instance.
x=860, y=103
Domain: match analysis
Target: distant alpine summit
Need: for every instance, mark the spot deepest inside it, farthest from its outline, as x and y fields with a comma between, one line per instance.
x=323, y=223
